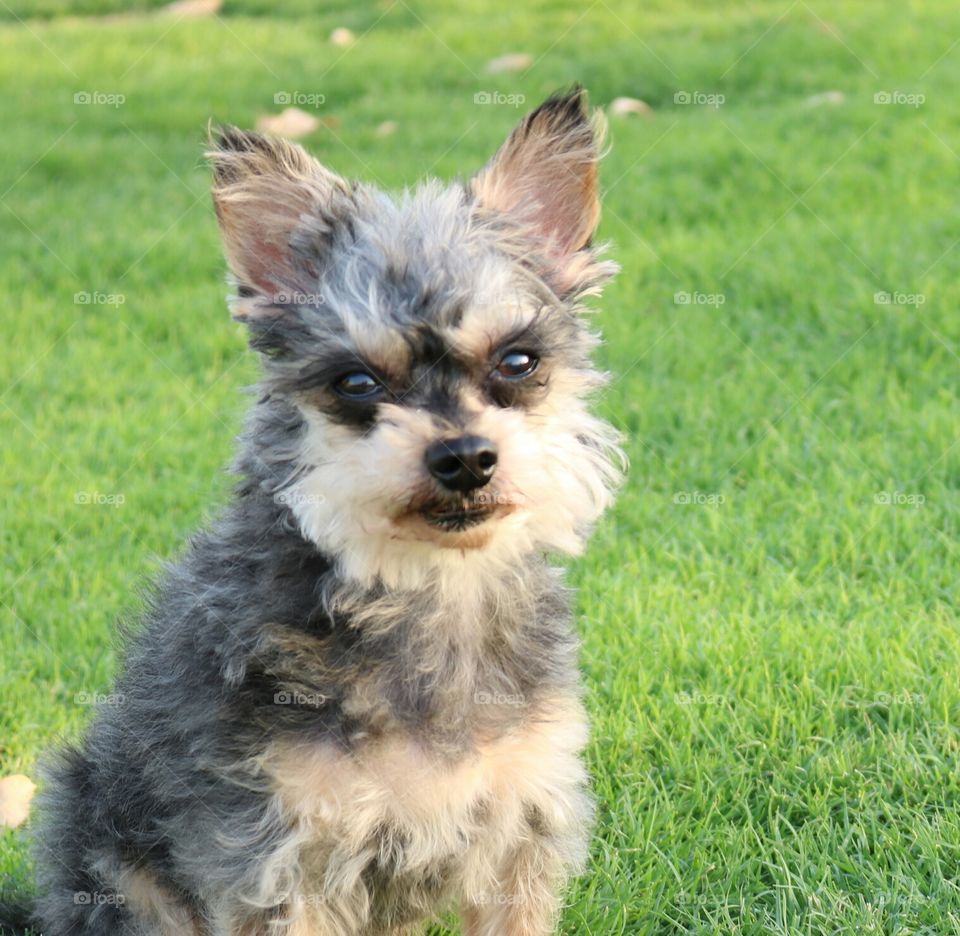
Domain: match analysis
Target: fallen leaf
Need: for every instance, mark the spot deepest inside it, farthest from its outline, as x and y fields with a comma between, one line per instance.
x=827, y=97
x=386, y=128
x=291, y=123
x=342, y=37
x=194, y=7
x=15, y=795
x=515, y=61
x=623, y=106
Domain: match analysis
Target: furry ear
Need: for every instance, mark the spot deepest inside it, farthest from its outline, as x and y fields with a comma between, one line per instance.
x=545, y=178
x=276, y=206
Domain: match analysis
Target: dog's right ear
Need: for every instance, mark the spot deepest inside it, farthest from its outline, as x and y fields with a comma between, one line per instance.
x=277, y=207
x=545, y=178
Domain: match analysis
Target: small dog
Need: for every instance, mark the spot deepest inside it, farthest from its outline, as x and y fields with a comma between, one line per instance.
x=354, y=702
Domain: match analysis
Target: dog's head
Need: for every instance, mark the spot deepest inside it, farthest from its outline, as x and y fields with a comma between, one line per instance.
x=433, y=346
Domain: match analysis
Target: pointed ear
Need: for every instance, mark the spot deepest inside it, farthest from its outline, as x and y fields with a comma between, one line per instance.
x=545, y=178
x=276, y=206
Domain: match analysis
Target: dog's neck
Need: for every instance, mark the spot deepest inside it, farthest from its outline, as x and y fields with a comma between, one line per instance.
x=470, y=597
x=450, y=669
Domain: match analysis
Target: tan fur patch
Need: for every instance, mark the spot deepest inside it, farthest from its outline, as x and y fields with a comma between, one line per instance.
x=152, y=903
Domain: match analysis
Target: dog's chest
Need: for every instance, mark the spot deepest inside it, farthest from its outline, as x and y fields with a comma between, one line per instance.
x=393, y=812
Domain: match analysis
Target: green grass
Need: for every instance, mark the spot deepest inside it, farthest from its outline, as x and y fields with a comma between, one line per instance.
x=772, y=667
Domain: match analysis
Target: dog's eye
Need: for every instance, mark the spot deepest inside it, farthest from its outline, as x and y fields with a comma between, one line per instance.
x=358, y=386
x=516, y=365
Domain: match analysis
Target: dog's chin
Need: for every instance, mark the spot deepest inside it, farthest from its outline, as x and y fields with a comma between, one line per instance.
x=464, y=524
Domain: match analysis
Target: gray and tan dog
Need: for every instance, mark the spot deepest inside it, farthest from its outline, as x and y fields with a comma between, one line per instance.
x=353, y=703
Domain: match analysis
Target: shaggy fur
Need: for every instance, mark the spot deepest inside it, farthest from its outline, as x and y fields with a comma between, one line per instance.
x=353, y=703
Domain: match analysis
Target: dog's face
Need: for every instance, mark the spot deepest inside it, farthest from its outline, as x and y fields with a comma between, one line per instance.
x=432, y=346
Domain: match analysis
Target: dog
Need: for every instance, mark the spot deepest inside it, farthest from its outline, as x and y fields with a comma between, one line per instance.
x=353, y=704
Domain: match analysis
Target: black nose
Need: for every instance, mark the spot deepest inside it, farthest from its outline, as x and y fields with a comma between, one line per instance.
x=462, y=464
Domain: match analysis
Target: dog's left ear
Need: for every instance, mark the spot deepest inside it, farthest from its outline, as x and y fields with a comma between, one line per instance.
x=545, y=178
x=277, y=207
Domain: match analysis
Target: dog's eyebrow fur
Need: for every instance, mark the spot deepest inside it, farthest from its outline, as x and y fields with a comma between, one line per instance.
x=482, y=330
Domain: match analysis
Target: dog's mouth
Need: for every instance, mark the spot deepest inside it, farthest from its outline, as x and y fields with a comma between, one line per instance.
x=461, y=517
x=465, y=522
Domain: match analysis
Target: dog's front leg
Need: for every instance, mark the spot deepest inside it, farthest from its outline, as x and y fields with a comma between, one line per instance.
x=527, y=900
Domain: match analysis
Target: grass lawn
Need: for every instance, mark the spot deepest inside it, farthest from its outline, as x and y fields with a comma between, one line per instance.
x=769, y=615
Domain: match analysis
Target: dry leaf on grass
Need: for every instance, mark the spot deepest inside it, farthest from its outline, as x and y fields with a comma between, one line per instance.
x=194, y=7
x=342, y=37
x=15, y=795
x=624, y=106
x=291, y=123
x=514, y=62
